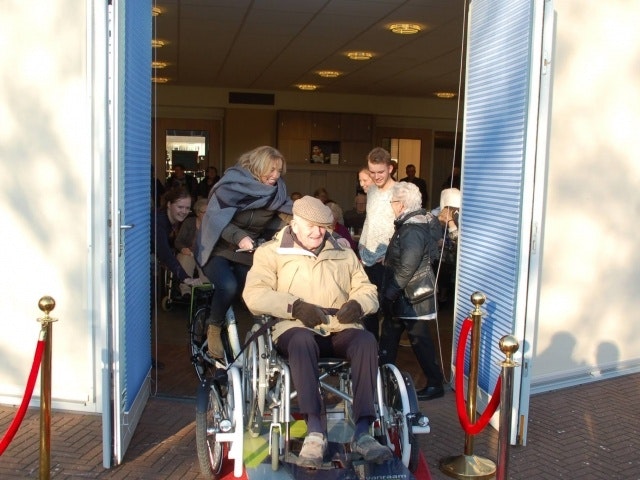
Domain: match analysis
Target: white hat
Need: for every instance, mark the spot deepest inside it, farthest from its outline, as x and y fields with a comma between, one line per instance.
x=450, y=197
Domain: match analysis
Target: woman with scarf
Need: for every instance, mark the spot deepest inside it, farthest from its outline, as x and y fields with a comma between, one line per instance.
x=246, y=206
x=409, y=285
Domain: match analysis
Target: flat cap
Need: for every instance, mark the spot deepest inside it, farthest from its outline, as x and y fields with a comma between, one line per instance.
x=313, y=211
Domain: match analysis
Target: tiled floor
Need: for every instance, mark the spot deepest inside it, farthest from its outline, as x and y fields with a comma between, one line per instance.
x=585, y=432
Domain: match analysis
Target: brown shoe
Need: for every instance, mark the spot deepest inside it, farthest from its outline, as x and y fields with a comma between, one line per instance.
x=214, y=342
x=313, y=450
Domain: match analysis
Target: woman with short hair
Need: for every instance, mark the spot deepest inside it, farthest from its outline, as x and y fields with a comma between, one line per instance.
x=409, y=286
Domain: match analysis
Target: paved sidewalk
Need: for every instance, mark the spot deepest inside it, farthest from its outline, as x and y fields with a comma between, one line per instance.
x=586, y=432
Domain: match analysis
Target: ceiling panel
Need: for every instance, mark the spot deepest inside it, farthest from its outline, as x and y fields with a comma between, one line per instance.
x=275, y=44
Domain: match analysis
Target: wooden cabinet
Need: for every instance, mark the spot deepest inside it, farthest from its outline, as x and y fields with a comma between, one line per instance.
x=356, y=127
x=294, y=125
x=325, y=126
x=353, y=132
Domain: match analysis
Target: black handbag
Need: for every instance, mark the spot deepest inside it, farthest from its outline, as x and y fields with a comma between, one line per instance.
x=421, y=286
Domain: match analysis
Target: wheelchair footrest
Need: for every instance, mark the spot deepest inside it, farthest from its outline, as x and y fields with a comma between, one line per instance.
x=340, y=465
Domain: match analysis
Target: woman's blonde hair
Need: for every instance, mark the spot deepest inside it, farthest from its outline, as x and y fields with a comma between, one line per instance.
x=258, y=161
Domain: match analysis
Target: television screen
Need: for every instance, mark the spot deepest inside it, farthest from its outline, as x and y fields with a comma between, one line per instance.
x=187, y=158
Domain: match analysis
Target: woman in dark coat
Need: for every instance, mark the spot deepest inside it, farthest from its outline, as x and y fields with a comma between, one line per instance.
x=247, y=206
x=409, y=287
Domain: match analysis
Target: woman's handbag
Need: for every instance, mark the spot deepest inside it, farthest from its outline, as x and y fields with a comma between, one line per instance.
x=421, y=286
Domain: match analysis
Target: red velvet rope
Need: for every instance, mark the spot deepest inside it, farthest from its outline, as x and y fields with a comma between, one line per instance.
x=17, y=420
x=467, y=426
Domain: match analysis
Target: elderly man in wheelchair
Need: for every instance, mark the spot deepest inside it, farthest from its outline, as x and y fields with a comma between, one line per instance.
x=318, y=291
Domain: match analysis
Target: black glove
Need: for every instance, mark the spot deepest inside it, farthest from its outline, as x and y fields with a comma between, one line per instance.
x=350, y=312
x=307, y=313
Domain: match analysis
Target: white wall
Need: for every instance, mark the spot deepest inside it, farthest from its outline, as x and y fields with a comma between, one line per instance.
x=44, y=202
x=591, y=268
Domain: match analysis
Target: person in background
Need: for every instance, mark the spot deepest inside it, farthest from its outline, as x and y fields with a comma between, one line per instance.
x=167, y=221
x=317, y=155
x=409, y=261
x=247, y=206
x=319, y=291
x=179, y=178
x=295, y=196
x=418, y=182
x=157, y=189
x=364, y=180
x=377, y=229
x=209, y=180
x=186, y=240
x=354, y=218
x=339, y=231
x=453, y=180
x=323, y=195
x=448, y=215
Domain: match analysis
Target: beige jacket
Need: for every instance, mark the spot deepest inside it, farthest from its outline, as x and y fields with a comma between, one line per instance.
x=282, y=273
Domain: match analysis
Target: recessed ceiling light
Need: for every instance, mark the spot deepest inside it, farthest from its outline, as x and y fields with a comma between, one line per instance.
x=405, y=28
x=158, y=64
x=359, y=55
x=329, y=73
x=157, y=43
x=444, y=94
x=306, y=86
x=155, y=11
x=159, y=79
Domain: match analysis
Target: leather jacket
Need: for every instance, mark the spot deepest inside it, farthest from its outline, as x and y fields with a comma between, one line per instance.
x=410, y=254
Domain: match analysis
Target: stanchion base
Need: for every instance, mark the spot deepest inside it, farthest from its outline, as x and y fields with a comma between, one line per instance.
x=468, y=466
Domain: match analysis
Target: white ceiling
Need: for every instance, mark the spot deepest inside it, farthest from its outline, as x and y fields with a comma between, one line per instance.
x=272, y=45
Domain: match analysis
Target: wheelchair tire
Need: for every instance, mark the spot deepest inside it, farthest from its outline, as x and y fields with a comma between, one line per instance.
x=209, y=406
x=400, y=401
x=275, y=450
x=254, y=381
x=166, y=303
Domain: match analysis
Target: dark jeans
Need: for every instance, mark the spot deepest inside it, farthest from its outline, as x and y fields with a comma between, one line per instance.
x=376, y=273
x=303, y=348
x=228, y=280
x=421, y=343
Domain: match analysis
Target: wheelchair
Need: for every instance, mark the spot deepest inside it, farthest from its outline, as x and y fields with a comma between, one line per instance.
x=251, y=391
x=170, y=291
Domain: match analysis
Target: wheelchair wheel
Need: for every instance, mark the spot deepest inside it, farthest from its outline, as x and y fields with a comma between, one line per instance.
x=399, y=402
x=210, y=411
x=166, y=304
x=197, y=337
x=275, y=450
x=254, y=379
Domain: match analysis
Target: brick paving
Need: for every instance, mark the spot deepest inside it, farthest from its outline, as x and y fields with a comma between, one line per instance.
x=587, y=432
x=584, y=432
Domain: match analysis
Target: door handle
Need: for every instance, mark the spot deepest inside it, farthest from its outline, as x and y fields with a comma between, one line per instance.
x=127, y=226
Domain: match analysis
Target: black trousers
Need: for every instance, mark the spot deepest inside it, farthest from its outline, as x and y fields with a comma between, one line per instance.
x=421, y=343
x=376, y=274
x=303, y=348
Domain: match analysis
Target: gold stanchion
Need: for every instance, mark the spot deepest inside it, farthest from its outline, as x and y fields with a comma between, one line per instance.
x=509, y=345
x=469, y=465
x=46, y=304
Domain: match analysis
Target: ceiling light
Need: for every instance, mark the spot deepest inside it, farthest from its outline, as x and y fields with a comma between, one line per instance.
x=159, y=64
x=405, y=28
x=157, y=43
x=306, y=86
x=159, y=79
x=359, y=55
x=444, y=94
x=155, y=11
x=329, y=73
